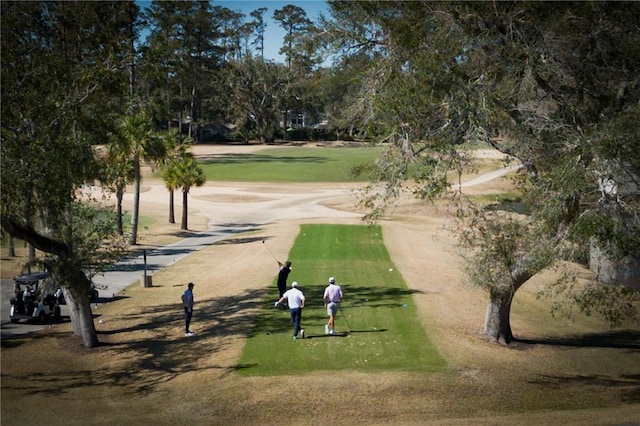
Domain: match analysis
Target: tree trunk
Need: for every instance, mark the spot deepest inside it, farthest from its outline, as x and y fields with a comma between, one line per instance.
x=74, y=312
x=262, y=130
x=172, y=216
x=136, y=202
x=31, y=253
x=192, y=110
x=82, y=317
x=12, y=246
x=132, y=51
x=497, y=322
x=184, y=210
x=284, y=126
x=88, y=328
x=119, y=196
x=614, y=269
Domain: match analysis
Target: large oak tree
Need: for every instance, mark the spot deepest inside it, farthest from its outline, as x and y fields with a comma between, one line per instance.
x=552, y=85
x=64, y=73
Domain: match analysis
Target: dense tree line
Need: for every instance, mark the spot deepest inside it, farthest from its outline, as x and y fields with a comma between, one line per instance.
x=203, y=64
x=553, y=86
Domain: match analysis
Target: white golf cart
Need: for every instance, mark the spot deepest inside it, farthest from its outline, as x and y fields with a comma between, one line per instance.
x=34, y=298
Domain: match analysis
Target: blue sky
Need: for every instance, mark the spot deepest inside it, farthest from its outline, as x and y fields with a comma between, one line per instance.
x=274, y=35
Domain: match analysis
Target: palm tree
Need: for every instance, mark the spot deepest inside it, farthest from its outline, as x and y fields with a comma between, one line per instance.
x=170, y=177
x=189, y=174
x=138, y=142
x=119, y=173
x=176, y=147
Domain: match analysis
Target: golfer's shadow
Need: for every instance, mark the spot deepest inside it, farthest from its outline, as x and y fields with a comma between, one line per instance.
x=367, y=331
x=343, y=334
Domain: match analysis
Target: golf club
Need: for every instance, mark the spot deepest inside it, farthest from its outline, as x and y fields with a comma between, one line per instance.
x=345, y=318
x=274, y=256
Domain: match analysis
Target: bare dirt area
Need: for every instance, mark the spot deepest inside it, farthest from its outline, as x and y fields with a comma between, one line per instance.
x=147, y=372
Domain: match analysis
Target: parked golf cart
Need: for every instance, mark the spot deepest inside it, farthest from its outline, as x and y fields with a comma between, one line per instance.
x=34, y=298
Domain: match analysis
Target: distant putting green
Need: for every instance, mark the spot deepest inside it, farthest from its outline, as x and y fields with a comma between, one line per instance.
x=291, y=164
x=377, y=328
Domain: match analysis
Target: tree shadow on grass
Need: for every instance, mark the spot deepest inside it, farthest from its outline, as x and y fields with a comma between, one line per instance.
x=245, y=240
x=627, y=385
x=344, y=333
x=152, y=350
x=362, y=296
x=12, y=340
x=260, y=158
x=234, y=228
x=101, y=300
x=624, y=339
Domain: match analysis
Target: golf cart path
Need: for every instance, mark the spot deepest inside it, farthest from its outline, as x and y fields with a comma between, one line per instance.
x=487, y=177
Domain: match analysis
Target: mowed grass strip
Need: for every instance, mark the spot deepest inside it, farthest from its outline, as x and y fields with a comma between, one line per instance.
x=376, y=329
x=290, y=164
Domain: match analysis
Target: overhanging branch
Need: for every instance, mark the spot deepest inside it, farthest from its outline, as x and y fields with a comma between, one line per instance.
x=30, y=235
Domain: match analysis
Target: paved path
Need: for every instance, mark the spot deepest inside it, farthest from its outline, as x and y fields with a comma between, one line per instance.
x=490, y=176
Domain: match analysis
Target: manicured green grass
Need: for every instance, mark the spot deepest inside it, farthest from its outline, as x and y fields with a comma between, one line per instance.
x=377, y=328
x=143, y=221
x=291, y=164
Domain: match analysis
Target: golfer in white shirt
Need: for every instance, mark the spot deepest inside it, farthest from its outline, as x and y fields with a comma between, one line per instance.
x=295, y=300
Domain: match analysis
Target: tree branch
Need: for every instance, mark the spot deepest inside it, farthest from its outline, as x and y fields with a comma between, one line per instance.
x=37, y=240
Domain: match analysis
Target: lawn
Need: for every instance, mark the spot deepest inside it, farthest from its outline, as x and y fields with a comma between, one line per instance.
x=291, y=164
x=377, y=327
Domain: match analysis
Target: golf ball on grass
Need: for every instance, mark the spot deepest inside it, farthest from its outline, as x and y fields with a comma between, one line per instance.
x=390, y=269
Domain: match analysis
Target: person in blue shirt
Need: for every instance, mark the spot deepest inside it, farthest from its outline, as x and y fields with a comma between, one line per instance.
x=187, y=303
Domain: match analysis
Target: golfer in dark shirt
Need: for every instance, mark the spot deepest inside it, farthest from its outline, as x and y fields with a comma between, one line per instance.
x=282, y=276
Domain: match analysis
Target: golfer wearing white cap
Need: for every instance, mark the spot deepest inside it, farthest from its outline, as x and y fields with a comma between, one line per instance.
x=295, y=299
x=332, y=298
